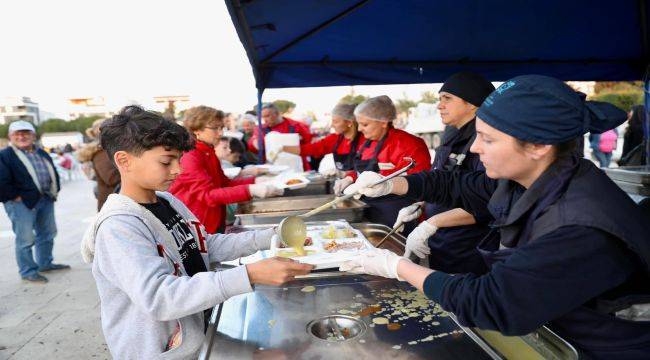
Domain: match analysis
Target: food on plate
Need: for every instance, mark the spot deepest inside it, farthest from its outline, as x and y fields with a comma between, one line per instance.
x=293, y=182
x=334, y=246
x=333, y=233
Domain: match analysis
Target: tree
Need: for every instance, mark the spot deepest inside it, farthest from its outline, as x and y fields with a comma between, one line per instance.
x=429, y=97
x=353, y=99
x=403, y=105
x=53, y=125
x=623, y=94
x=284, y=106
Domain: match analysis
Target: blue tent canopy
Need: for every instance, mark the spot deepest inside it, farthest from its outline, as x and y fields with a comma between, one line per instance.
x=354, y=42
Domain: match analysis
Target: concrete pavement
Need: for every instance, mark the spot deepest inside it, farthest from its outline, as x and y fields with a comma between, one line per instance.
x=60, y=319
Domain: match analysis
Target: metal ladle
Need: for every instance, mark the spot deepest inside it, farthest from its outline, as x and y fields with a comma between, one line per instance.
x=292, y=229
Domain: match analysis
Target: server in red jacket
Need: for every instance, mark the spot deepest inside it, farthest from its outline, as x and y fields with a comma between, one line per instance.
x=384, y=151
x=202, y=185
x=273, y=121
x=342, y=143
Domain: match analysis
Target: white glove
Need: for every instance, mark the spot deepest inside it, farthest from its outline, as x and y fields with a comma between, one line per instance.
x=380, y=262
x=263, y=191
x=366, y=178
x=408, y=214
x=416, y=242
x=341, y=184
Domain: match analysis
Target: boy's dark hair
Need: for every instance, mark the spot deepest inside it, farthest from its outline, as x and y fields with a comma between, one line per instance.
x=136, y=130
x=236, y=145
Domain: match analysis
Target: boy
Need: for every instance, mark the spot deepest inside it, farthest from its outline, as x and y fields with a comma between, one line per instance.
x=151, y=255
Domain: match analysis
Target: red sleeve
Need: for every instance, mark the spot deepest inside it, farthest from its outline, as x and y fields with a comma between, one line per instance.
x=252, y=141
x=305, y=133
x=319, y=148
x=199, y=185
x=414, y=148
x=242, y=181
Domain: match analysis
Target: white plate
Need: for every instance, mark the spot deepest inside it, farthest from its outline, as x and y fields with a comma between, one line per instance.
x=281, y=181
x=273, y=169
x=320, y=259
x=232, y=172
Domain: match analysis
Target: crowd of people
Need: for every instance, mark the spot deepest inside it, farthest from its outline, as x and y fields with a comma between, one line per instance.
x=499, y=213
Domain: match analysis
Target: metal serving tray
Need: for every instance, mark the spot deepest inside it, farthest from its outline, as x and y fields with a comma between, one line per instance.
x=273, y=210
x=633, y=187
x=639, y=175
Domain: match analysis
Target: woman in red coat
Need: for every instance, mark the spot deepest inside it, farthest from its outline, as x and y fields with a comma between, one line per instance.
x=202, y=185
x=342, y=144
x=384, y=151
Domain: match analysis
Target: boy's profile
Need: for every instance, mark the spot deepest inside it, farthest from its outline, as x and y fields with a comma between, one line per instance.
x=151, y=255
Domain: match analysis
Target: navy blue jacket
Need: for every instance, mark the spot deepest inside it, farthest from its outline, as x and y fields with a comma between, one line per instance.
x=571, y=278
x=453, y=249
x=15, y=180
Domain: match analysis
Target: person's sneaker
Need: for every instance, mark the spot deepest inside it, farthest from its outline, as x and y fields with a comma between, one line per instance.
x=35, y=278
x=53, y=267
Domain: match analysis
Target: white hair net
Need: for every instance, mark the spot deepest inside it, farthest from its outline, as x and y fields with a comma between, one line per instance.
x=378, y=108
x=345, y=111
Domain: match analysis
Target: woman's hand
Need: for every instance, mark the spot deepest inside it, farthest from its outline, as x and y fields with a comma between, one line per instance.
x=341, y=184
x=262, y=191
x=379, y=262
x=252, y=171
x=276, y=271
x=366, y=179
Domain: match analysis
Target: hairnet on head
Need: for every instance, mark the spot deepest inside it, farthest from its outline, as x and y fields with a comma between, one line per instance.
x=378, y=108
x=345, y=111
x=544, y=110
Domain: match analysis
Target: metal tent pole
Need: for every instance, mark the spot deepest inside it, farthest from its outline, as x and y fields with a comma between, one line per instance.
x=260, y=137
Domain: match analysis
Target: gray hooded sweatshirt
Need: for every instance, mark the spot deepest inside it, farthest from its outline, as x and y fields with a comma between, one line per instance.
x=144, y=290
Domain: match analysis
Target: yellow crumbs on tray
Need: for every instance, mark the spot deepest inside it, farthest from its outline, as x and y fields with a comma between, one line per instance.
x=308, y=289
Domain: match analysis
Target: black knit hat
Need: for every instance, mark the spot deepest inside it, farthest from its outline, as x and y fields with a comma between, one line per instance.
x=468, y=86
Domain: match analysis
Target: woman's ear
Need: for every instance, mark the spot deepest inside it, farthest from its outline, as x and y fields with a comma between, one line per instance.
x=538, y=151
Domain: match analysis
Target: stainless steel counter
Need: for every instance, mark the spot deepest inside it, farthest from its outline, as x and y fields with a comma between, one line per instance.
x=272, y=323
x=331, y=316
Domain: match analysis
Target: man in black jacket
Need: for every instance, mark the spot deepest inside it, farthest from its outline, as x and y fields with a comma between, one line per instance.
x=29, y=185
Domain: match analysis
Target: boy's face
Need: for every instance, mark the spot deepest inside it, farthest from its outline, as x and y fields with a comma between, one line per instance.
x=153, y=170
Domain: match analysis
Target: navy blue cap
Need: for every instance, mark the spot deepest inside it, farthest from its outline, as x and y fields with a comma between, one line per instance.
x=544, y=110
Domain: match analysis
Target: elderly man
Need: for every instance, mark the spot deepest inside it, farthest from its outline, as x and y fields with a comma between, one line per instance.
x=28, y=188
x=273, y=121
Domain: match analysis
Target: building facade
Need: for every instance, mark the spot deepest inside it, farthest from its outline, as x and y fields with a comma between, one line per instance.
x=19, y=108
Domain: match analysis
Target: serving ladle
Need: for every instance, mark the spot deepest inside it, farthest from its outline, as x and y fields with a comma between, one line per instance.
x=292, y=229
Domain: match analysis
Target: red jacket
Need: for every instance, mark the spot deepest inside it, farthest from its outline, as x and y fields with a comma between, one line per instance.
x=397, y=145
x=285, y=128
x=204, y=188
x=326, y=145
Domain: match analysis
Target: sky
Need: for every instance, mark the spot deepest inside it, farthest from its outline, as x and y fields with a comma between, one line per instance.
x=134, y=50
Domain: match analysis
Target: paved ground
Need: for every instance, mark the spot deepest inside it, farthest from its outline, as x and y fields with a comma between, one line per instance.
x=60, y=319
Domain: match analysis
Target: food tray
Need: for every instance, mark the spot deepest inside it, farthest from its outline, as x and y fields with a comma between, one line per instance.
x=540, y=344
x=633, y=188
x=317, y=253
x=273, y=210
x=639, y=175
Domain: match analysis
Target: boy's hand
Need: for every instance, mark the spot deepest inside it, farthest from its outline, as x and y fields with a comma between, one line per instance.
x=276, y=271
